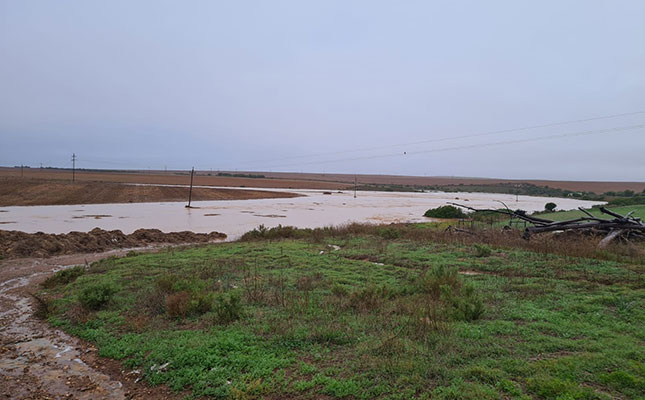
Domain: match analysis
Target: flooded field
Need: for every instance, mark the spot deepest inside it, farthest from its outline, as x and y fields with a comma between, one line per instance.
x=314, y=209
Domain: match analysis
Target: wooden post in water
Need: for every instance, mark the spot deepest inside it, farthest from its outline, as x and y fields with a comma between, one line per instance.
x=190, y=191
x=355, y=184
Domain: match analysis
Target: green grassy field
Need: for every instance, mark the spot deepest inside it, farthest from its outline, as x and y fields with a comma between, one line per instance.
x=639, y=212
x=381, y=317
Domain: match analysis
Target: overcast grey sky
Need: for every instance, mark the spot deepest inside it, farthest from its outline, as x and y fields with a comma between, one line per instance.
x=257, y=85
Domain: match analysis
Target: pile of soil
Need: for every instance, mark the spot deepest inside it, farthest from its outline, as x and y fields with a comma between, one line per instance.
x=15, y=244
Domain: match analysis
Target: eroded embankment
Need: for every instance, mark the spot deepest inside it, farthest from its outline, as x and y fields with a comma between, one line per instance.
x=16, y=244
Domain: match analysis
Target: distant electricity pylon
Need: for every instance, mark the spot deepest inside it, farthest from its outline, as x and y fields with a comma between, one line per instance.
x=73, y=167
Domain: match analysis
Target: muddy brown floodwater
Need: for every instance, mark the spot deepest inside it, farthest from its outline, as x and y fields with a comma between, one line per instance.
x=235, y=217
x=41, y=362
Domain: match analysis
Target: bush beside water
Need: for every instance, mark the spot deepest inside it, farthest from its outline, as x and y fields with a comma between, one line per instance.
x=445, y=212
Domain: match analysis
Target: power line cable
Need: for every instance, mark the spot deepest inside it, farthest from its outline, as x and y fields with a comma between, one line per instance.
x=473, y=146
x=444, y=139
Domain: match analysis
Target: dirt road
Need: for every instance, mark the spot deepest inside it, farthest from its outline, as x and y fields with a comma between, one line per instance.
x=40, y=362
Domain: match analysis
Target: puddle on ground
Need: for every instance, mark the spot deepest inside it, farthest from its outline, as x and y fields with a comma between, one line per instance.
x=470, y=273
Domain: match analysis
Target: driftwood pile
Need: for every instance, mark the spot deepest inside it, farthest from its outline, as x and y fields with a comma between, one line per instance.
x=624, y=227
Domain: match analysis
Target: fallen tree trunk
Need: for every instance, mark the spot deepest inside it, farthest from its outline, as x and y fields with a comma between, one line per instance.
x=609, y=238
x=620, y=226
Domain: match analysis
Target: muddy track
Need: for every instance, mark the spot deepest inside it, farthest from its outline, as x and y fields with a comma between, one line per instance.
x=40, y=362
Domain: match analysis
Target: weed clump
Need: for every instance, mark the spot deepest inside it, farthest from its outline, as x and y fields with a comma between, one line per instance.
x=458, y=301
x=368, y=298
x=63, y=277
x=465, y=305
x=389, y=233
x=481, y=250
x=96, y=296
x=229, y=308
x=431, y=281
x=279, y=232
x=201, y=303
x=177, y=304
x=339, y=290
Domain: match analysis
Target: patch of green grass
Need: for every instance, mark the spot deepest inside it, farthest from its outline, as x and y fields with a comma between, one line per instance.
x=383, y=317
x=639, y=212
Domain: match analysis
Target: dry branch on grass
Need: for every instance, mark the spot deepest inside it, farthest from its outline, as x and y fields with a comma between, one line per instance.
x=624, y=227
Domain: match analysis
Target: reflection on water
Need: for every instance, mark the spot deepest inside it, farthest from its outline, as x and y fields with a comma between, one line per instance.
x=234, y=217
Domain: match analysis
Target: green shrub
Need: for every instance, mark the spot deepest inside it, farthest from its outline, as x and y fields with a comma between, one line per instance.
x=229, y=308
x=279, y=232
x=431, y=281
x=550, y=206
x=445, y=212
x=459, y=301
x=481, y=250
x=628, y=201
x=389, y=233
x=201, y=303
x=466, y=306
x=63, y=277
x=96, y=296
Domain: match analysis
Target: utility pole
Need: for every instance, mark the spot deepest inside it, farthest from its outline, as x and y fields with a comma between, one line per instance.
x=190, y=191
x=355, y=184
x=73, y=167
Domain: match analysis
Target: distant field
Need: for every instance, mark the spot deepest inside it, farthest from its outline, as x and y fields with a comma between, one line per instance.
x=576, y=186
x=32, y=192
x=639, y=211
x=170, y=178
x=307, y=180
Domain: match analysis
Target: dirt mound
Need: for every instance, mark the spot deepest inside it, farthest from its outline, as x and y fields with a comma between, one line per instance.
x=14, y=244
